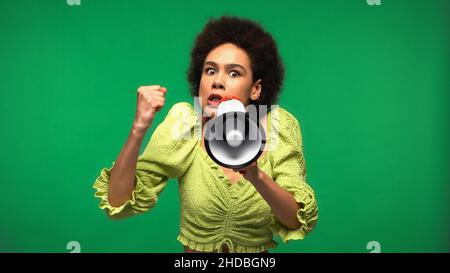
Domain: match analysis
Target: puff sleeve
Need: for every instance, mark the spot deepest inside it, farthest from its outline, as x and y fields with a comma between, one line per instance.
x=167, y=155
x=289, y=172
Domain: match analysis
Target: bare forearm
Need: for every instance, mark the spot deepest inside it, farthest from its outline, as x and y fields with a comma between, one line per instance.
x=281, y=201
x=150, y=99
x=122, y=180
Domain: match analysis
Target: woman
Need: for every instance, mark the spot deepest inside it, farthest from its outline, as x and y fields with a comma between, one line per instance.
x=222, y=209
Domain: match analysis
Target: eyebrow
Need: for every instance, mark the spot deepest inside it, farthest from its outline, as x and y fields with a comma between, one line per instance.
x=228, y=66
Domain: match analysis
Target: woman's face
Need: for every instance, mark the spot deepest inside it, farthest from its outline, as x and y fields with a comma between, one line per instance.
x=227, y=72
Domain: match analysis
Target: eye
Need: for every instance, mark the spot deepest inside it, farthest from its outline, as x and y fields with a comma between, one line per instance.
x=210, y=71
x=234, y=74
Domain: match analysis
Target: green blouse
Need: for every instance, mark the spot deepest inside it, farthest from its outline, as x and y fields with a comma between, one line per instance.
x=214, y=211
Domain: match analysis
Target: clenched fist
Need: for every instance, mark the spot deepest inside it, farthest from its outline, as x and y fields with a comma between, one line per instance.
x=150, y=99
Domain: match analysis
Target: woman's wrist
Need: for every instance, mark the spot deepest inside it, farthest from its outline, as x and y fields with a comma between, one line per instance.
x=138, y=129
x=255, y=176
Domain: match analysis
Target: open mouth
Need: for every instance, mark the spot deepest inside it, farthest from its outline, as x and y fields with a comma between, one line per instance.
x=214, y=99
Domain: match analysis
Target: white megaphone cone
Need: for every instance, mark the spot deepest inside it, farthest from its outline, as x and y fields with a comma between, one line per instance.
x=233, y=139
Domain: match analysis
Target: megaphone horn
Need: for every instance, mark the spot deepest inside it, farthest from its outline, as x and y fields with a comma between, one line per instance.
x=234, y=139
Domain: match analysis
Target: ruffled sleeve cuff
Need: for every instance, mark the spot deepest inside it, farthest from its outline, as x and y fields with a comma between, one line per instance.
x=307, y=216
x=142, y=197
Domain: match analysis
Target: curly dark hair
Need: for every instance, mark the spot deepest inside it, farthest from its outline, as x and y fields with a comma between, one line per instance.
x=248, y=35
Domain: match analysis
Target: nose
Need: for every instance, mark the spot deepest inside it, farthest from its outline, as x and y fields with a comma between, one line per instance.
x=218, y=83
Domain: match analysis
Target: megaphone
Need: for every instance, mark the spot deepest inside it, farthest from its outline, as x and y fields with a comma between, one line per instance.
x=234, y=139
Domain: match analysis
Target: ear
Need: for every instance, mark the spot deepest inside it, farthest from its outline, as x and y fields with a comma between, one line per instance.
x=256, y=90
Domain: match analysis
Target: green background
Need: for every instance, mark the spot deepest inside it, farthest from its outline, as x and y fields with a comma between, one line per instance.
x=369, y=84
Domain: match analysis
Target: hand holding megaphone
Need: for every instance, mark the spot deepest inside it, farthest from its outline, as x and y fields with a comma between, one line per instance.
x=251, y=172
x=233, y=138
